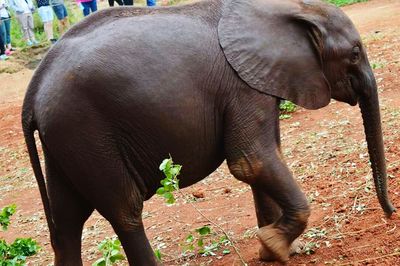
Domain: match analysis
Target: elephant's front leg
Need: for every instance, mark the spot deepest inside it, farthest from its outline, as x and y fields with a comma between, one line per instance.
x=268, y=212
x=253, y=156
x=271, y=176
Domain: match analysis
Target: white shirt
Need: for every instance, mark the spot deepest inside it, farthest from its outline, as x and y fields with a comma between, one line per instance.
x=3, y=10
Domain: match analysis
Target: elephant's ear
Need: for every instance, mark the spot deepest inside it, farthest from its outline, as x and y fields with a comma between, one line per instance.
x=275, y=50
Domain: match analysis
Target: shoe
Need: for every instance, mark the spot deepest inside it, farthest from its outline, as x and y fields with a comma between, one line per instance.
x=3, y=57
x=53, y=41
x=9, y=52
x=29, y=43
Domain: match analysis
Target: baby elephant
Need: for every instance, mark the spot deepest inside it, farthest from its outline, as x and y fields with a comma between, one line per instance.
x=127, y=86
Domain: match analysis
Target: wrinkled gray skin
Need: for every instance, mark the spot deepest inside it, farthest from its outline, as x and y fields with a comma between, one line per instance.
x=127, y=86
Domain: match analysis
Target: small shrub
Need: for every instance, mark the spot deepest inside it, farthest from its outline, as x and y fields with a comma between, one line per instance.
x=16, y=253
x=171, y=182
x=203, y=242
x=5, y=215
x=286, y=108
x=111, y=252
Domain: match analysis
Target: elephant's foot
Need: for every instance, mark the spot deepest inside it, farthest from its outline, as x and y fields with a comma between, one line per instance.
x=275, y=246
x=295, y=248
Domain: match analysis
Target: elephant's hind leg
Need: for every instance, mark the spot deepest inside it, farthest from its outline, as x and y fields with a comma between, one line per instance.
x=69, y=213
x=120, y=201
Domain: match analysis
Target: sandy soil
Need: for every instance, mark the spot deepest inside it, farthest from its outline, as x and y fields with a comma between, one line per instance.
x=325, y=149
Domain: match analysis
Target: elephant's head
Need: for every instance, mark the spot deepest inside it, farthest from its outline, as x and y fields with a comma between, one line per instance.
x=308, y=52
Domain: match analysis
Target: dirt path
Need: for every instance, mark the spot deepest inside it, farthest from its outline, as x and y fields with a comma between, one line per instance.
x=325, y=149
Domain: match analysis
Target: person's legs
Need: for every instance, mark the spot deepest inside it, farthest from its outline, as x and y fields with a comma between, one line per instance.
x=64, y=21
x=151, y=2
x=3, y=31
x=128, y=2
x=120, y=2
x=46, y=15
x=93, y=5
x=30, y=24
x=23, y=21
x=2, y=48
x=86, y=8
x=62, y=16
x=3, y=56
x=7, y=25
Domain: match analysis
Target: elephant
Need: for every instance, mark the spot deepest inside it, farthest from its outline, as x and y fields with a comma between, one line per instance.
x=127, y=86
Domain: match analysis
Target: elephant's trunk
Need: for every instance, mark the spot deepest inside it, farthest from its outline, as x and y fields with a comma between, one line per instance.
x=369, y=106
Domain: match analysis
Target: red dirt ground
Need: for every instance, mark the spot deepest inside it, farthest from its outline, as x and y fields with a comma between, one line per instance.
x=325, y=149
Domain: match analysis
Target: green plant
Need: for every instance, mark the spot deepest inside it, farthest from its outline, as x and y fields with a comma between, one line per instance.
x=111, y=252
x=171, y=182
x=377, y=65
x=286, y=108
x=344, y=2
x=310, y=247
x=157, y=254
x=316, y=233
x=16, y=253
x=204, y=244
x=5, y=215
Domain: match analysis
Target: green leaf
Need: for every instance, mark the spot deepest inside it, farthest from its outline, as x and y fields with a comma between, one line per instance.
x=160, y=191
x=175, y=170
x=226, y=251
x=205, y=230
x=117, y=257
x=168, y=195
x=189, y=238
x=171, y=200
x=24, y=247
x=164, y=164
x=200, y=242
x=5, y=215
x=158, y=255
x=99, y=262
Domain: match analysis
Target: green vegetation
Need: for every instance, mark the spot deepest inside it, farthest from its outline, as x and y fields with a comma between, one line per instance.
x=111, y=252
x=205, y=243
x=171, y=182
x=286, y=108
x=14, y=254
x=5, y=215
x=344, y=2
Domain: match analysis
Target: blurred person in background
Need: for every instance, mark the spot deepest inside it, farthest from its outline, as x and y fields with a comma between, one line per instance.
x=23, y=10
x=87, y=6
x=5, y=26
x=61, y=13
x=3, y=55
x=46, y=15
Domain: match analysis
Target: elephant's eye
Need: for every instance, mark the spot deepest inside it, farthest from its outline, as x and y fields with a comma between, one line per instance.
x=355, y=54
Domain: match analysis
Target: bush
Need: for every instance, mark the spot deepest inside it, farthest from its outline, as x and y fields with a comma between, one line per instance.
x=17, y=252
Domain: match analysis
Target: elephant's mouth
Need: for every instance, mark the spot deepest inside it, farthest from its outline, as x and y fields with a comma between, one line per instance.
x=346, y=91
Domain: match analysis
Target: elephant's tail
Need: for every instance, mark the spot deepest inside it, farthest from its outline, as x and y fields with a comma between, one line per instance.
x=29, y=126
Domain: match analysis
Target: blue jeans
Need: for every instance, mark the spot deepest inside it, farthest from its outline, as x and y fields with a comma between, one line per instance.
x=151, y=2
x=87, y=6
x=5, y=30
